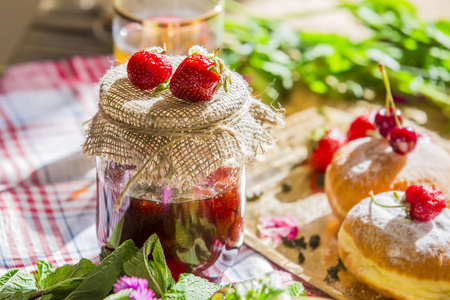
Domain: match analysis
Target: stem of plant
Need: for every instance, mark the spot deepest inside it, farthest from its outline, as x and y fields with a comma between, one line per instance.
x=389, y=98
x=382, y=205
x=36, y=295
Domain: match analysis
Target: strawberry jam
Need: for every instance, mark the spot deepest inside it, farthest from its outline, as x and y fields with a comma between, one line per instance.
x=194, y=233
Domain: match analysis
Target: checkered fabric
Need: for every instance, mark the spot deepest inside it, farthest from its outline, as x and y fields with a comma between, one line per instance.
x=47, y=187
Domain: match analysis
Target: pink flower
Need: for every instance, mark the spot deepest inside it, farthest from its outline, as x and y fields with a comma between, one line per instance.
x=138, y=286
x=126, y=282
x=277, y=227
x=143, y=294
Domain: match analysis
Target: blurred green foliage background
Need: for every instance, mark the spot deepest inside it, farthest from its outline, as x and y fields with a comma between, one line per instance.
x=415, y=52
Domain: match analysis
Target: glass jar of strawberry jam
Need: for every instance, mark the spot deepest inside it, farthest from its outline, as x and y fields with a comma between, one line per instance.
x=175, y=166
x=196, y=227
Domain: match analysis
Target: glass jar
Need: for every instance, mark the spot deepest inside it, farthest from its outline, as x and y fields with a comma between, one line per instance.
x=198, y=228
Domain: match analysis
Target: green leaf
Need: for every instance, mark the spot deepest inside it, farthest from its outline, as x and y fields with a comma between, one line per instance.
x=100, y=281
x=44, y=270
x=196, y=254
x=79, y=270
x=155, y=271
x=120, y=295
x=116, y=235
x=62, y=281
x=184, y=237
x=191, y=287
x=296, y=289
x=104, y=253
x=17, y=284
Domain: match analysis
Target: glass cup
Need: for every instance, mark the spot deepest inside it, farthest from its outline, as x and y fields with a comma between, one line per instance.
x=198, y=228
x=179, y=24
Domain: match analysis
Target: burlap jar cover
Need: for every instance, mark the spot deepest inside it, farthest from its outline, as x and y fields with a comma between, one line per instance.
x=174, y=141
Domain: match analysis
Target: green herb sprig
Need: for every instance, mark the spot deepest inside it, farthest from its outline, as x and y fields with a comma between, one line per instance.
x=84, y=280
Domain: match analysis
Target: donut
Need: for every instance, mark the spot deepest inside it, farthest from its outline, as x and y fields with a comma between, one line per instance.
x=398, y=257
x=369, y=164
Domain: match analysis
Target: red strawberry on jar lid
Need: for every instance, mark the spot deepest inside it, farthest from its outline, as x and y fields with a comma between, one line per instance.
x=149, y=68
x=199, y=76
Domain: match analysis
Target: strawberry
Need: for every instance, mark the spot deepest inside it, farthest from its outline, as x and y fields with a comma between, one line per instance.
x=235, y=232
x=147, y=68
x=422, y=203
x=425, y=202
x=360, y=127
x=322, y=146
x=198, y=77
x=226, y=209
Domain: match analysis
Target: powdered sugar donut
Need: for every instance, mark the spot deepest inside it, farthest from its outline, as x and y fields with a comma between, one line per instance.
x=397, y=256
x=369, y=164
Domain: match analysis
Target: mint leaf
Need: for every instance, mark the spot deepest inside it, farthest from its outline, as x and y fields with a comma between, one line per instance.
x=191, y=287
x=104, y=252
x=266, y=288
x=18, y=295
x=17, y=284
x=99, y=282
x=114, y=241
x=296, y=289
x=44, y=269
x=155, y=271
x=65, y=279
x=120, y=295
x=196, y=254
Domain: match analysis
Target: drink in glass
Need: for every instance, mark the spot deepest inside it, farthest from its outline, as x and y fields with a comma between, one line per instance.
x=196, y=228
x=139, y=24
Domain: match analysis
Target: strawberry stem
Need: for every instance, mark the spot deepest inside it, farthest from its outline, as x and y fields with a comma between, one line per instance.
x=389, y=98
x=382, y=205
x=161, y=87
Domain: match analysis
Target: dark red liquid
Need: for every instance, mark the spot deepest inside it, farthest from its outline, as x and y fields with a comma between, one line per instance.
x=193, y=233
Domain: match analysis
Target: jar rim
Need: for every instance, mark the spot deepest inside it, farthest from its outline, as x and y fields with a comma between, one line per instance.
x=217, y=9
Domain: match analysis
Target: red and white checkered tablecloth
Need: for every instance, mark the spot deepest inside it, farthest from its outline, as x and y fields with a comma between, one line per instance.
x=47, y=187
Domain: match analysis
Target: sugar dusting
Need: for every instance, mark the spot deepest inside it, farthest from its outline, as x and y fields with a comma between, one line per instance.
x=365, y=161
x=361, y=167
x=403, y=235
